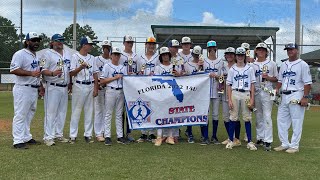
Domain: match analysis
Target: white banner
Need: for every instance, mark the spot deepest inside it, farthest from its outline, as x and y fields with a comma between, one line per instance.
x=166, y=101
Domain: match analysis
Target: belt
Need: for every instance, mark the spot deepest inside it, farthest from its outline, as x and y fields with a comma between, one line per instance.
x=59, y=85
x=116, y=88
x=33, y=86
x=287, y=92
x=85, y=82
x=241, y=90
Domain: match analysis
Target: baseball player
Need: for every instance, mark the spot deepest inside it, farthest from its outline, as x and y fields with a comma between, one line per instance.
x=266, y=73
x=165, y=68
x=99, y=101
x=295, y=82
x=213, y=66
x=129, y=60
x=246, y=46
x=56, y=77
x=240, y=90
x=112, y=75
x=186, y=45
x=25, y=65
x=193, y=67
x=146, y=66
x=85, y=87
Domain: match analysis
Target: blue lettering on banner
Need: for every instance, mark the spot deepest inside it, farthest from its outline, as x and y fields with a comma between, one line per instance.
x=139, y=111
x=174, y=87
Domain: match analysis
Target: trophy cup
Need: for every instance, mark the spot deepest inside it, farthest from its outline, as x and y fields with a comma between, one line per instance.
x=60, y=67
x=296, y=101
x=143, y=67
x=200, y=68
x=264, y=71
x=81, y=61
x=181, y=64
x=174, y=63
x=130, y=63
x=42, y=62
x=252, y=109
x=221, y=84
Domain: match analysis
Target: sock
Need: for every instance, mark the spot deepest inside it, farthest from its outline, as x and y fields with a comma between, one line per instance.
x=248, y=130
x=189, y=130
x=215, y=128
x=231, y=130
x=204, y=132
x=227, y=125
x=237, y=130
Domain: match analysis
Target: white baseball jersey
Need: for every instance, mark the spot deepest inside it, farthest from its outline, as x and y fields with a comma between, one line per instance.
x=52, y=58
x=149, y=64
x=186, y=58
x=271, y=71
x=241, y=78
x=294, y=75
x=163, y=69
x=26, y=60
x=191, y=67
x=111, y=70
x=213, y=66
x=85, y=74
x=100, y=62
x=124, y=60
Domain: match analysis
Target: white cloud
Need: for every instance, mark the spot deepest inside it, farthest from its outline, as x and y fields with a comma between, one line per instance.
x=164, y=8
x=209, y=18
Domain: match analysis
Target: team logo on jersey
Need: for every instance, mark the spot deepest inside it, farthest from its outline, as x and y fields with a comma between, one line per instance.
x=100, y=68
x=139, y=111
x=34, y=64
x=288, y=74
x=150, y=65
x=208, y=69
x=238, y=77
x=116, y=73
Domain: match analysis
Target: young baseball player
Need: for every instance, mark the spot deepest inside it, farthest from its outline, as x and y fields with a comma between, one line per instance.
x=25, y=66
x=165, y=68
x=266, y=73
x=240, y=90
x=85, y=87
x=214, y=66
x=186, y=45
x=295, y=82
x=129, y=60
x=146, y=66
x=56, y=77
x=193, y=67
x=112, y=75
x=99, y=101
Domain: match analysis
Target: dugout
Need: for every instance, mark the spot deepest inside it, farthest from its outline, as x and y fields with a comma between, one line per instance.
x=312, y=58
x=225, y=36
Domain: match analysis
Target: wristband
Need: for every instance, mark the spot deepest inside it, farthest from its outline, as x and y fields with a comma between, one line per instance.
x=306, y=96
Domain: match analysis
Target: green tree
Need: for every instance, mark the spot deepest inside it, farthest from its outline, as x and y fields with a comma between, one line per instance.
x=45, y=41
x=81, y=32
x=9, y=41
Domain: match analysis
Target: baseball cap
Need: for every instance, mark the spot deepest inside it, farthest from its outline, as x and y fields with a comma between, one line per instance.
x=32, y=35
x=290, y=46
x=115, y=50
x=230, y=50
x=245, y=46
x=128, y=38
x=241, y=50
x=151, y=40
x=262, y=45
x=164, y=50
x=197, y=50
x=211, y=44
x=173, y=43
x=185, y=40
x=57, y=37
x=106, y=43
x=86, y=40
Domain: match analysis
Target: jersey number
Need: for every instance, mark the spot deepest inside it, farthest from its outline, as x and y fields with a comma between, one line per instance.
x=246, y=84
x=292, y=81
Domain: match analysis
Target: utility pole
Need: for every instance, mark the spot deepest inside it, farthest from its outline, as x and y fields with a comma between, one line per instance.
x=297, y=28
x=21, y=40
x=74, y=43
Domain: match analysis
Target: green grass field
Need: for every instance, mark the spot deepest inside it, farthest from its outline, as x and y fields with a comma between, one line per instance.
x=145, y=161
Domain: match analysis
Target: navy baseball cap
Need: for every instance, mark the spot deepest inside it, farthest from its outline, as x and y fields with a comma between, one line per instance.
x=86, y=40
x=32, y=35
x=57, y=37
x=290, y=46
x=173, y=43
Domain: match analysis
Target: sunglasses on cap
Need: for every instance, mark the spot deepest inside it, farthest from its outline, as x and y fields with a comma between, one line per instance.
x=35, y=40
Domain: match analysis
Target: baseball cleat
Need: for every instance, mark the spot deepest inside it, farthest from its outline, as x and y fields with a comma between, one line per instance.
x=143, y=138
x=121, y=140
x=215, y=141
x=49, y=142
x=190, y=140
x=62, y=139
x=33, y=142
x=158, y=141
x=205, y=142
x=267, y=146
x=229, y=145
x=236, y=142
x=20, y=146
x=170, y=140
x=100, y=139
x=251, y=146
x=260, y=142
x=225, y=142
x=88, y=139
x=152, y=138
x=292, y=150
x=107, y=142
x=280, y=148
x=72, y=140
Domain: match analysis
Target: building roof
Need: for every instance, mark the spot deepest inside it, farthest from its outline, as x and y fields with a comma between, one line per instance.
x=225, y=36
x=312, y=57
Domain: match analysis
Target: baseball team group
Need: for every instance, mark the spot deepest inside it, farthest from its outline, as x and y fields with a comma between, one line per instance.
x=240, y=84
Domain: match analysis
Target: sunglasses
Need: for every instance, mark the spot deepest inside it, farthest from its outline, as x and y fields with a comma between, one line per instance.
x=35, y=40
x=59, y=40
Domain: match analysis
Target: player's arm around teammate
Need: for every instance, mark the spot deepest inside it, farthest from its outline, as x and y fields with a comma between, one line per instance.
x=241, y=90
x=112, y=76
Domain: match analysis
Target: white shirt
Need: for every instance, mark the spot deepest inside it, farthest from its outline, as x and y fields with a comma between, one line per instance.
x=25, y=60
x=186, y=58
x=124, y=60
x=163, y=70
x=110, y=70
x=100, y=62
x=85, y=74
x=294, y=75
x=191, y=67
x=52, y=58
x=271, y=71
x=149, y=64
x=213, y=66
x=241, y=78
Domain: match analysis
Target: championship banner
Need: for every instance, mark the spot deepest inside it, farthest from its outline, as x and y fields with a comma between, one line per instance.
x=166, y=101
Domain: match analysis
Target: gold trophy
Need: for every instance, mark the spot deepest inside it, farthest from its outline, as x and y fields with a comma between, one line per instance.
x=221, y=84
x=181, y=61
x=81, y=61
x=42, y=62
x=296, y=101
x=174, y=63
x=143, y=67
x=200, y=68
x=60, y=67
x=130, y=63
x=264, y=71
x=252, y=109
